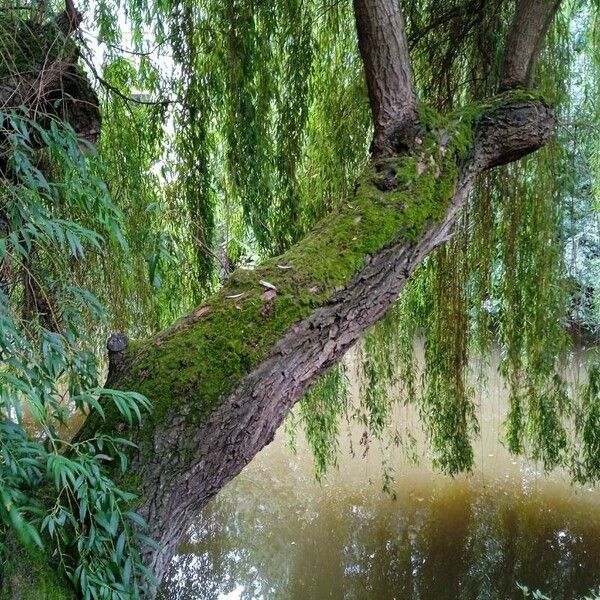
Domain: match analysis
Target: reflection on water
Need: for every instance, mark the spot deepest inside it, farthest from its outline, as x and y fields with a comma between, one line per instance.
x=275, y=533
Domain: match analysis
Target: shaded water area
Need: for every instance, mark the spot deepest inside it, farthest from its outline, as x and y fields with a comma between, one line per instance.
x=275, y=533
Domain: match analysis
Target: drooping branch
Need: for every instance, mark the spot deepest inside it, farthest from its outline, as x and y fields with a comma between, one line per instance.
x=384, y=51
x=525, y=40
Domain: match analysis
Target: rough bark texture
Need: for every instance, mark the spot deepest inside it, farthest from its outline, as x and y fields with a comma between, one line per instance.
x=530, y=25
x=384, y=51
x=503, y=135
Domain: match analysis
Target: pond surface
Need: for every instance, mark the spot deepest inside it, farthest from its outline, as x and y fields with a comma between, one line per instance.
x=275, y=533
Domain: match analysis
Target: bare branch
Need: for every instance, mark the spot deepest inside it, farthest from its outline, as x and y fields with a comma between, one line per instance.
x=117, y=92
x=384, y=51
x=525, y=39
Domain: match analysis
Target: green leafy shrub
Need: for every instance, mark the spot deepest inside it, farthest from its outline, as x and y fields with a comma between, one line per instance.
x=56, y=494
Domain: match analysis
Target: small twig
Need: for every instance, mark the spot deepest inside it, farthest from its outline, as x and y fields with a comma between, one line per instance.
x=214, y=255
x=124, y=50
x=119, y=93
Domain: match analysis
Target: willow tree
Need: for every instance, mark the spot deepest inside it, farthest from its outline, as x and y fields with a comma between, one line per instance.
x=221, y=380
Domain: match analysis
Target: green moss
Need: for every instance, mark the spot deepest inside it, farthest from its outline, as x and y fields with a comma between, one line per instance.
x=26, y=46
x=190, y=367
x=28, y=575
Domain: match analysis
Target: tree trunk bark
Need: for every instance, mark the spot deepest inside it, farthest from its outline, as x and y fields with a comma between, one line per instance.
x=529, y=28
x=42, y=79
x=384, y=52
x=222, y=379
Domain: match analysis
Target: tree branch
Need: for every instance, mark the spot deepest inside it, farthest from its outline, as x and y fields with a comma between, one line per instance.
x=384, y=51
x=222, y=379
x=49, y=83
x=525, y=40
x=505, y=133
x=119, y=93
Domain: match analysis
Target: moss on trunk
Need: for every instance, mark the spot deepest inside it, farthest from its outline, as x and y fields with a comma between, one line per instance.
x=189, y=367
x=28, y=575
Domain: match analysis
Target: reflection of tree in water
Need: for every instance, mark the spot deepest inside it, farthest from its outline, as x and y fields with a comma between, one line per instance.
x=453, y=541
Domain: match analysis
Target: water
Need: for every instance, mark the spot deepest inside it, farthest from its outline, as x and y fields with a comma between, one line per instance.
x=275, y=533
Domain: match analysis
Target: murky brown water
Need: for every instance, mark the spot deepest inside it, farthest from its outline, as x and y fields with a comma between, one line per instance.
x=274, y=533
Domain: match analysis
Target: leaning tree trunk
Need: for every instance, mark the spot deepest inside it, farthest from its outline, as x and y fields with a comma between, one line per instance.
x=222, y=379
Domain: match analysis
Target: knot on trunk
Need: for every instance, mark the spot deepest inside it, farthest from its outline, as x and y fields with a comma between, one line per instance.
x=116, y=345
x=510, y=131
